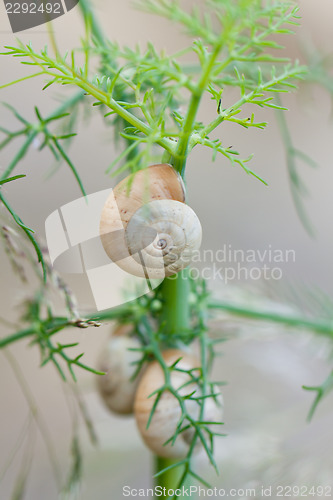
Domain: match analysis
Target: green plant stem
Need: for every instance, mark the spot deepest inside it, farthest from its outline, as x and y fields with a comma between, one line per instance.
x=175, y=290
x=320, y=326
x=176, y=315
x=182, y=148
x=176, y=311
x=170, y=479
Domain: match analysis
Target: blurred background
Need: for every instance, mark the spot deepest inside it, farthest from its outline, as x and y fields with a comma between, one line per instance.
x=269, y=440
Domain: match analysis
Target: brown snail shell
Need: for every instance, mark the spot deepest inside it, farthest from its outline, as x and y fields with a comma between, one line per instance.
x=116, y=387
x=146, y=227
x=167, y=414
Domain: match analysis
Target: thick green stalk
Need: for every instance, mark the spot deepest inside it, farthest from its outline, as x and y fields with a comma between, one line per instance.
x=176, y=312
x=168, y=480
x=175, y=290
x=176, y=315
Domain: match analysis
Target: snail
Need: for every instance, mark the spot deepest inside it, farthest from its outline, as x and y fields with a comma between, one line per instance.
x=167, y=414
x=146, y=228
x=116, y=387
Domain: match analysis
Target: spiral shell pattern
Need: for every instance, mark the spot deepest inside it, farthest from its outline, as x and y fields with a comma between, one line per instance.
x=163, y=236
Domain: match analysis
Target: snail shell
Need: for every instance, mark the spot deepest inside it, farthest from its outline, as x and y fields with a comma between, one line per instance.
x=116, y=387
x=146, y=228
x=167, y=414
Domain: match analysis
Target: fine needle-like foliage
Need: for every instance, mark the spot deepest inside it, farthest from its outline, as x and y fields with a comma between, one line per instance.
x=150, y=83
x=153, y=100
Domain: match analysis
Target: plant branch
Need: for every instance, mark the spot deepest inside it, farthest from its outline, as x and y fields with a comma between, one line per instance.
x=34, y=130
x=68, y=75
x=320, y=326
x=183, y=143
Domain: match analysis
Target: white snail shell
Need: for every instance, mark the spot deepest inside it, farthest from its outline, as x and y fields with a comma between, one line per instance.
x=116, y=387
x=177, y=232
x=167, y=414
x=146, y=228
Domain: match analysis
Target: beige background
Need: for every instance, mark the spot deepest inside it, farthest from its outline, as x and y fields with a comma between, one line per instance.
x=269, y=441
